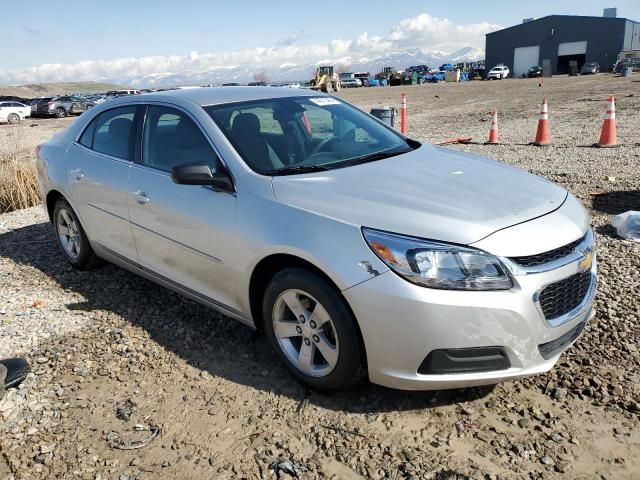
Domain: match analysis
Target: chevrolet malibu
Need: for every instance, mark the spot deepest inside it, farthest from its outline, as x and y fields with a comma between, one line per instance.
x=357, y=251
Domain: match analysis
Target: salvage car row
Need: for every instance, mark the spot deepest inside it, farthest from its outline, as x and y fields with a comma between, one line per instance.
x=14, y=109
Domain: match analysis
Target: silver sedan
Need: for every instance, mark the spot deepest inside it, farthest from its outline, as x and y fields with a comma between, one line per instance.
x=356, y=250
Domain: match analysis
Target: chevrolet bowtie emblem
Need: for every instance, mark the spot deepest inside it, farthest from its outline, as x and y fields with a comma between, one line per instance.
x=587, y=260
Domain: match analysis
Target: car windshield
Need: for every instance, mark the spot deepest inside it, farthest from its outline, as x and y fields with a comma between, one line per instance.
x=285, y=136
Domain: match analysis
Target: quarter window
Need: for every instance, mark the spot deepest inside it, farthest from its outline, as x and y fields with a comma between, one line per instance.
x=87, y=136
x=172, y=139
x=114, y=132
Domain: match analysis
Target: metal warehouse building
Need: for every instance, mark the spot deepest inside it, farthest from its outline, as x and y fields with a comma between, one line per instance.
x=554, y=41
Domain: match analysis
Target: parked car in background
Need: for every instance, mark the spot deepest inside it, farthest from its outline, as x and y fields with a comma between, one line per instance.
x=350, y=82
x=634, y=63
x=59, y=106
x=257, y=84
x=291, y=85
x=590, y=68
x=13, y=98
x=13, y=112
x=534, y=72
x=121, y=93
x=353, y=248
x=498, y=72
x=363, y=77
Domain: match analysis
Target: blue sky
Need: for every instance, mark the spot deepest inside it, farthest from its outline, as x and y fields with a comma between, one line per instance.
x=74, y=31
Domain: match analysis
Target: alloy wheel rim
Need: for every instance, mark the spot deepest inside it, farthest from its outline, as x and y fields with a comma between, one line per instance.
x=68, y=233
x=306, y=333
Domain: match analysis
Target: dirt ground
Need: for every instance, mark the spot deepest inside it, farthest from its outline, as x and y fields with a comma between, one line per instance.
x=121, y=363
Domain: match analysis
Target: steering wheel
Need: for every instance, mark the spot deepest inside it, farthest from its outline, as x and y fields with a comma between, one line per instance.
x=324, y=143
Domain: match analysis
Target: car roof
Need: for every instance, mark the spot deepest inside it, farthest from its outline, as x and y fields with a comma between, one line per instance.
x=220, y=95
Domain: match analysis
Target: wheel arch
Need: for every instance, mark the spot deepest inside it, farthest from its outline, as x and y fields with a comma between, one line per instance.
x=268, y=267
x=52, y=197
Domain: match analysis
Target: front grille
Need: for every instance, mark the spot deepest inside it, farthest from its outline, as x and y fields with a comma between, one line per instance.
x=559, y=298
x=546, y=257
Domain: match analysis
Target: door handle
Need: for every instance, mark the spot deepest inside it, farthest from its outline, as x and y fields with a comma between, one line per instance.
x=78, y=174
x=141, y=197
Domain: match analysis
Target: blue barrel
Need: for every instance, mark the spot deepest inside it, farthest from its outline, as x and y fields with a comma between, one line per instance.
x=627, y=71
x=386, y=114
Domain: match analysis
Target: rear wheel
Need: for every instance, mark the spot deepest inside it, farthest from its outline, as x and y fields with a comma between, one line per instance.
x=312, y=330
x=60, y=112
x=72, y=238
x=13, y=118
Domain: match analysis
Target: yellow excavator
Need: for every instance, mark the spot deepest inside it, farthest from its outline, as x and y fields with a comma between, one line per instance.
x=326, y=80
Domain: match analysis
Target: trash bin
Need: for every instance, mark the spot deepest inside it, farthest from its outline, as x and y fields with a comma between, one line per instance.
x=386, y=114
x=627, y=71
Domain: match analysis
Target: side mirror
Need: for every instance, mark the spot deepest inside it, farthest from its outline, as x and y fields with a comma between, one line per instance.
x=201, y=175
x=192, y=175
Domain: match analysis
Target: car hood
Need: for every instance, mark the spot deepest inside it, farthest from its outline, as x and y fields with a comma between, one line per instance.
x=431, y=192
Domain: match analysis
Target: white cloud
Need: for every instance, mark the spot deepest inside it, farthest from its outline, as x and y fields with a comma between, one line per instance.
x=424, y=31
x=439, y=33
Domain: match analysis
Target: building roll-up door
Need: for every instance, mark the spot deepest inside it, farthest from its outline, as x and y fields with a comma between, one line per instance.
x=524, y=58
x=572, y=48
x=571, y=52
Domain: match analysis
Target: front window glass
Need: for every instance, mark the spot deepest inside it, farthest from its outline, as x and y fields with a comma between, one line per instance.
x=171, y=139
x=297, y=134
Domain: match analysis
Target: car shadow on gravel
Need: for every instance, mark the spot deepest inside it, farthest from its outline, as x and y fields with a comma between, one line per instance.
x=614, y=203
x=202, y=337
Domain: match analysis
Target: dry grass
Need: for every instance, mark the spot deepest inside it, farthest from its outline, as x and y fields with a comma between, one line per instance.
x=18, y=183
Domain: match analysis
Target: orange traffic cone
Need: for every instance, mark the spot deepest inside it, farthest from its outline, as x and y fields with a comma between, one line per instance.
x=543, y=137
x=493, y=130
x=608, y=137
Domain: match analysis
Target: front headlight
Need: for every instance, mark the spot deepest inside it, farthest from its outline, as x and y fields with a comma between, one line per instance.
x=438, y=265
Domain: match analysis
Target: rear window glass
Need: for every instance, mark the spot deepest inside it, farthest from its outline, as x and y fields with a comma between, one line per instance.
x=114, y=132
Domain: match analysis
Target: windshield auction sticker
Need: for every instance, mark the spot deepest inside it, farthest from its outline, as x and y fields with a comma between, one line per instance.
x=322, y=101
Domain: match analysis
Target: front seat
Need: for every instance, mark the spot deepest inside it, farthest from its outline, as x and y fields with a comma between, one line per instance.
x=188, y=147
x=252, y=144
x=119, y=132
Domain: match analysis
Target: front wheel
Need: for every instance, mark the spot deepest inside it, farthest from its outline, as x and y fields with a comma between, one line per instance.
x=13, y=118
x=312, y=330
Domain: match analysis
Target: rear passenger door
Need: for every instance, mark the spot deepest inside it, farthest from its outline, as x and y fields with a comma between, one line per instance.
x=97, y=173
x=183, y=233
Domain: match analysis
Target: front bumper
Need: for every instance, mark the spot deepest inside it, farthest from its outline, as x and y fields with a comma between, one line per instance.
x=402, y=323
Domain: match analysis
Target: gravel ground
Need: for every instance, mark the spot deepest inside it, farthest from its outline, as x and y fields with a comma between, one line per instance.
x=121, y=363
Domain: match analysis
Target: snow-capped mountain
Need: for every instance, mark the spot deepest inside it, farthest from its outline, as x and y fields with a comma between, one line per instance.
x=292, y=72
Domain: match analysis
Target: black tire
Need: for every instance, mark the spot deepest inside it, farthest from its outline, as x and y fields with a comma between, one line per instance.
x=86, y=258
x=13, y=119
x=350, y=366
x=61, y=112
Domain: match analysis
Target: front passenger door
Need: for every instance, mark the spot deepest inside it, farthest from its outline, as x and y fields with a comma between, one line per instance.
x=183, y=233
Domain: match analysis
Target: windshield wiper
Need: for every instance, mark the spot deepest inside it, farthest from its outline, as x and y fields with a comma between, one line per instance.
x=293, y=169
x=376, y=156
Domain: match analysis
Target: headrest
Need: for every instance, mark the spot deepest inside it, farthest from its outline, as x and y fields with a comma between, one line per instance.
x=187, y=134
x=120, y=127
x=246, y=125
